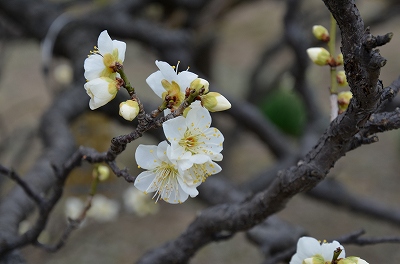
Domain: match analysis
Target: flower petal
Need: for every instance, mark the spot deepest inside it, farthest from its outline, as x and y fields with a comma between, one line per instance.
x=176, y=195
x=154, y=81
x=184, y=79
x=93, y=67
x=198, y=118
x=175, y=128
x=146, y=156
x=167, y=71
x=104, y=43
x=145, y=181
x=191, y=190
x=121, y=46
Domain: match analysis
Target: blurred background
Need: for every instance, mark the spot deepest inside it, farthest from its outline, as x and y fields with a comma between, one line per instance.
x=246, y=59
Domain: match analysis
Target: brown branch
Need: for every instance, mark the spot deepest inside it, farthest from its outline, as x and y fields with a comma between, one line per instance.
x=362, y=67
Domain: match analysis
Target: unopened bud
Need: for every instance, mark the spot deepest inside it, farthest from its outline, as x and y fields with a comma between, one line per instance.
x=341, y=78
x=339, y=60
x=129, y=109
x=215, y=102
x=200, y=85
x=319, y=56
x=101, y=172
x=343, y=100
x=321, y=33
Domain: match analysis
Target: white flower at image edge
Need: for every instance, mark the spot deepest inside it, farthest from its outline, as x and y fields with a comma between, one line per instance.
x=163, y=175
x=308, y=247
x=103, y=209
x=192, y=139
x=101, y=61
x=166, y=72
x=101, y=91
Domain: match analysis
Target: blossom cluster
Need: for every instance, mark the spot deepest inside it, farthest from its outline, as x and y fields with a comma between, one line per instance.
x=178, y=165
x=103, y=81
x=311, y=251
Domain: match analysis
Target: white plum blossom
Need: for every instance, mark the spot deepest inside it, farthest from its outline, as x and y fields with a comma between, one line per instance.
x=167, y=81
x=138, y=202
x=73, y=207
x=308, y=247
x=103, y=209
x=163, y=175
x=192, y=139
x=102, y=61
x=101, y=91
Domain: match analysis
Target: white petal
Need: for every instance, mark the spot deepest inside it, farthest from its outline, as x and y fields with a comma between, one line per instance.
x=93, y=66
x=185, y=164
x=184, y=79
x=99, y=88
x=104, y=43
x=198, y=118
x=174, y=129
x=176, y=196
x=146, y=156
x=191, y=190
x=176, y=153
x=144, y=181
x=121, y=46
x=154, y=81
x=167, y=71
x=162, y=150
x=199, y=158
x=95, y=103
x=307, y=247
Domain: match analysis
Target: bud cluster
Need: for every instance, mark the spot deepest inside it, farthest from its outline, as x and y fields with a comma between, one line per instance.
x=321, y=56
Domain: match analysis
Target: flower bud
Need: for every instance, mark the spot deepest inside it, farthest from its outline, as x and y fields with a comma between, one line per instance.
x=319, y=56
x=215, y=102
x=128, y=109
x=339, y=60
x=101, y=172
x=198, y=84
x=343, y=100
x=321, y=33
x=341, y=78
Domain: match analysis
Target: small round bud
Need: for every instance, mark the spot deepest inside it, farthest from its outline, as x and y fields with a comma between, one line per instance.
x=103, y=172
x=215, y=102
x=321, y=33
x=200, y=85
x=129, y=109
x=343, y=100
x=339, y=60
x=341, y=78
x=319, y=56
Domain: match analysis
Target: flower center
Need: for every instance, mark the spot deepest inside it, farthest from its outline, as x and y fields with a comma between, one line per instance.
x=166, y=182
x=190, y=142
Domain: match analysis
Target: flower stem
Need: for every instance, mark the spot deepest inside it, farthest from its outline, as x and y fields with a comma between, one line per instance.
x=333, y=88
x=93, y=187
x=336, y=254
x=127, y=84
